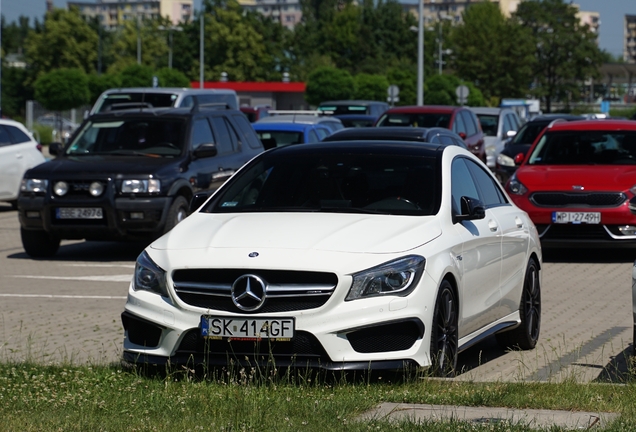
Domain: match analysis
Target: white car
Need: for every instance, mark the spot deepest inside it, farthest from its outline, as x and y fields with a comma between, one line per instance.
x=340, y=255
x=498, y=124
x=18, y=152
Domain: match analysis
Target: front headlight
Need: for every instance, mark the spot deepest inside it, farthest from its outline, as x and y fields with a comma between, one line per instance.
x=34, y=185
x=141, y=186
x=516, y=187
x=149, y=276
x=504, y=160
x=398, y=277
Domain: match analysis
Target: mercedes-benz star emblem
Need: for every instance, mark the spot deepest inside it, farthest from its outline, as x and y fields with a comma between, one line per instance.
x=249, y=292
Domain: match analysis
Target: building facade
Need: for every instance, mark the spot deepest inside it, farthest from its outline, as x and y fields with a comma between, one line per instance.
x=629, y=41
x=286, y=12
x=112, y=13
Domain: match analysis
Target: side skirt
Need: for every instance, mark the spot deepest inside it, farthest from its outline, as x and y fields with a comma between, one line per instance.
x=508, y=322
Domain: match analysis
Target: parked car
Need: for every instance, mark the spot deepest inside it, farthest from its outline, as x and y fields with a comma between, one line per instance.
x=282, y=134
x=460, y=120
x=161, y=97
x=302, y=118
x=433, y=135
x=130, y=174
x=359, y=107
x=498, y=125
x=340, y=255
x=60, y=125
x=255, y=113
x=506, y=165
x=356, y=120
x=577, y=183
x=18, y=152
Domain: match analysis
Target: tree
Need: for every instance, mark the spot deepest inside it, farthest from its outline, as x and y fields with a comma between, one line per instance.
x=65, y=41
x=172, y=78
x=97, y=84
x=496, y=53
x=143, y=34
x=328, y=83
x=370, y=87
x=441, y=90
x=566, y=51
x=62, y=89
x=136, y=75
x=405, y=77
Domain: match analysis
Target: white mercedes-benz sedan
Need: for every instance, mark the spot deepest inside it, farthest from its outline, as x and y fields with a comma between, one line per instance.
x=340, y=255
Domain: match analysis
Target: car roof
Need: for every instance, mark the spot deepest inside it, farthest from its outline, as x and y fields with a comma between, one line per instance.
x=424, y=109
x=489, y=110
x=165, y=90
x=355, y=116
x=547, y=118
x=386, y=133
x=298, y=118
x=595, y=125
x=365, y=147
x=282, y=126
x=352, y=102
x=159, y=112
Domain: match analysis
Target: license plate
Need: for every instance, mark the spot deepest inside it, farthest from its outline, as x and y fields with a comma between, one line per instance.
x=247, y=328
x=576, y=217
x=79, y=213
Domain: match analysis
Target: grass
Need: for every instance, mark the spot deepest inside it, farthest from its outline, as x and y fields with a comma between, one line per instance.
x=35, y=397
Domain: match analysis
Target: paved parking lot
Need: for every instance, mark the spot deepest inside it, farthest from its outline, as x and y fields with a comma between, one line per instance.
x=67, y=309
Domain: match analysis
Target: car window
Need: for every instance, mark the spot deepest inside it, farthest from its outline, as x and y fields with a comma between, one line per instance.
x=458, y=124
x=462, y=183
x=415, y=120
x=585, y=147
x=17, y=136
x=244, y=129
x=489, y=123
x=5, y=138
x=507, y=126
x=312, y=136
x=490, y=194
x=470, y=122
x=201, y=133
x=435, y=139
x=224, y=141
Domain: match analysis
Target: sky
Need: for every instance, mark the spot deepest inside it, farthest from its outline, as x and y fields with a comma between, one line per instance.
x=610, y=37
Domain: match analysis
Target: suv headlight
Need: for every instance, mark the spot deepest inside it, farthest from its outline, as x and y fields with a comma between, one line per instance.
x=141, y=186
x=149, y=276
x=504, y=160
x=34, y=185
x=516, y=187
x=398, y=277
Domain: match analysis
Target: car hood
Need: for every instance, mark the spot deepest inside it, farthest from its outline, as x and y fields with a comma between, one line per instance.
x=589, y=177
x=80, y=165
x=302, y=231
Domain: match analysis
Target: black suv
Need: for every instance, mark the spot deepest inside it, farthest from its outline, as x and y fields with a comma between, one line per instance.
x=130, y=175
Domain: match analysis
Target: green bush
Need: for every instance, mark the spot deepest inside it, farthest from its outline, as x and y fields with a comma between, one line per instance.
x=44, y=134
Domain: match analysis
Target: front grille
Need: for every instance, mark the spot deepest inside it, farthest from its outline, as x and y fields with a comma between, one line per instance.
x=574, y=232
x=397, y=336
x=303, y=346
x=578, y=199
x=286, y=290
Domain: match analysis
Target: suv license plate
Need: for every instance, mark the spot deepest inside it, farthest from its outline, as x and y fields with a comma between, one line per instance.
x=79, y=213
x=247, y=328
x=576, y=217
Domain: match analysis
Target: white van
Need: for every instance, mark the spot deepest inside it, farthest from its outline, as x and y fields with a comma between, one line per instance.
x=123, y=98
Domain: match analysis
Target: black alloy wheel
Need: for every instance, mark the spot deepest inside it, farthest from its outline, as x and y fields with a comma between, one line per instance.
x=178, y=211
x=526, y=335
x=444, y=332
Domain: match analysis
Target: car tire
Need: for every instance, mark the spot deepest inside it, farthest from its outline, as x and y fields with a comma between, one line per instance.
x=177, y=212
x=526, y=335
x=39, y=244
x=14, y=204
x=444, y=332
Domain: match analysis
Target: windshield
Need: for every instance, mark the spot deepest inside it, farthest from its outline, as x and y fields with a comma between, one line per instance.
x=416, y=120
x=343, y=183
x=280, y=138
x=489, y=123
x=528, y=133
x=131, y=136
x=584, y=148
x=344, y=109
x=115, y=101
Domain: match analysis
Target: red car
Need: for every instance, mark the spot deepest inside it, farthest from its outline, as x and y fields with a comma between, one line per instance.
x=459, y=119
x=578, y=184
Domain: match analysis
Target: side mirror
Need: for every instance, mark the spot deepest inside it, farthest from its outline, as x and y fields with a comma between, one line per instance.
x=519, y=158
x=55, y=148
x=205, y=150
x=197, y=200
x=511, y=133
x=471, y=209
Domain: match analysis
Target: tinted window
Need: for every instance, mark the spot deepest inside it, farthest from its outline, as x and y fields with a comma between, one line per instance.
x=462, y=183
x=415, y=120
x=245, y=131
x=312, y=136
x=17, y=136
x=201, y=133
x=117, y=101
x=488, y=123
x=274, y=138
x=529, y=132
x=224, y=141
x=585, y=148
x=471, y=124
x=458, y=124
x=490, y=193
x=5, y=138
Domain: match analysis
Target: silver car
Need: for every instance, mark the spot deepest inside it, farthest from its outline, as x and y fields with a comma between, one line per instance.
x=498, y=125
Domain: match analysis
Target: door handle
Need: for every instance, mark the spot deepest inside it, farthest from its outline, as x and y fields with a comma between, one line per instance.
x=519, y=222
x=493, y=226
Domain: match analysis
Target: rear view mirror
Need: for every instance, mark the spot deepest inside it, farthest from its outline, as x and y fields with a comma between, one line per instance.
x=197, y=200
x=55, y=148
x=471, y=209
x=205, y=150
x=519, y=158
x=511, y=133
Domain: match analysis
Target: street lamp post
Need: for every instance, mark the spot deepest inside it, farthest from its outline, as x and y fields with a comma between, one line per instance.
x=138, y=40
x=420, y=54
x=440, y=41
x=170, y=30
